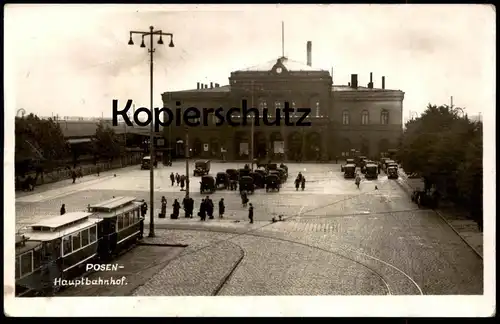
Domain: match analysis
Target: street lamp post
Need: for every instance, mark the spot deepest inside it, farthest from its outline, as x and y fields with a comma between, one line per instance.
x=151, y=50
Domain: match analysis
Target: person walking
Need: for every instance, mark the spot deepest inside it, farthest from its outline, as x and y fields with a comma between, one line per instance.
x=185, y=205
x=183, y=179
x=210, y=207
x=303, y=183
x=177, y=178
x=63, y=209
x=203, y=210
x=176, y=208
x=250, y=213
x=172, y=178
x=222, y=208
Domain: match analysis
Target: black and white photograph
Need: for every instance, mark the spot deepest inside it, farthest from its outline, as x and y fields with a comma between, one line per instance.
x=311, y=160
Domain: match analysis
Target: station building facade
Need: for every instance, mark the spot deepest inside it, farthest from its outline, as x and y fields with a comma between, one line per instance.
x=345, y=119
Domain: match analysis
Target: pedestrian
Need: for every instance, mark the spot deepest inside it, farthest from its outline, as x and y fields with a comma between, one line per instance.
x=73, y=175
x=63, y=209
x=98, y=170
x=221, y=208
x=177, y=178
x=163, y=207
x=144, y=209
x=250, y=213
x=172, y=178
x=244, y=198
x=210, y=207
x=190, y=207
x=176, y=208
x=185, y=205
x=303, y=183
x=297, y=183
x=202, y=211
x=183, y=179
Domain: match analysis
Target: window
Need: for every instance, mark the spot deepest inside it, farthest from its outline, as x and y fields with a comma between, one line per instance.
x=85, y=237
x=18, y=267
x=262, y=106
x=67, y=245
x=37, y=257
x=384, y=117
x=125, y=220
x=317, y=109
x=93, y=234
x=77, y=243
x=365, y=117
x=26, y=263
x=120, y=222
x=278, y=105
x=345, y=117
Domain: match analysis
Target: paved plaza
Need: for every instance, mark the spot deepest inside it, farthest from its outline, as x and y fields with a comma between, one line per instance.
x=336, y=239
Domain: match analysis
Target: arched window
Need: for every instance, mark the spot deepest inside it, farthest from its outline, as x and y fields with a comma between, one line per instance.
x=384, y=117
x=365, y=117
x=345, y=117
x=262, y=106
x=317, y=108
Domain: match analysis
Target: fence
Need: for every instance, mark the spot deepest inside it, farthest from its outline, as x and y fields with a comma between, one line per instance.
x=63, y=174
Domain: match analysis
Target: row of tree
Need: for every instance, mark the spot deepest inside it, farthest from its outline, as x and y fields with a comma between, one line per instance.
x=446, y=149
x=41, y=145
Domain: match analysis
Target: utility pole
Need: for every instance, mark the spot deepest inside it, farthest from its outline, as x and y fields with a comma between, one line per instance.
x=187, y=161
x=252, y=129
x=151, y=50
x=282, y=39
x=451, y=101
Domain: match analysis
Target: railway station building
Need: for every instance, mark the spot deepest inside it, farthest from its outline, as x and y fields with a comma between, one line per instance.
x=345, y=119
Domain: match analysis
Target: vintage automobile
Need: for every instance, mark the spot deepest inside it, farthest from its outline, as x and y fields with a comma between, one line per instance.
x=273, y=182
x=146, y=163
x=258, y=180
x=283, y=166
x=222, y=180
x=246, y=183
x=393, y=164
x=262, y=172
x=233, y=174
x=387, y=162
x=350, y=171
x=361, y=161
x=271, y=166
x=347, y=162
x=207, y=184
x=201, y=167
x=425, y=199
x=283, y=174
x=392, y=172
x=371, y=171
x=244, y=172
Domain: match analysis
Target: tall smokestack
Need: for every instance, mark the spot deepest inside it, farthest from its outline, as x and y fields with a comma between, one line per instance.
x=354, y=81
x=309, y=54
x=197, y=85
x=211, y=85
x=370, y=84
x=383, y=82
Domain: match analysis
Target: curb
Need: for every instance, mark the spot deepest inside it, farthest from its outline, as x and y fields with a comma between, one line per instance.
x=404, y=178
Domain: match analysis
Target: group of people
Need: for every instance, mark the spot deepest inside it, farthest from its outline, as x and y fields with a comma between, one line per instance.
x=180, y=179
x=300, y=181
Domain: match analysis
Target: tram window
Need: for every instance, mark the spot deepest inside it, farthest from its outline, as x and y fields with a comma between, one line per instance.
x=120, y=222
x=37, y=258
x=26, y=263
x=76, y=241
x=85, y=237
x=125, y=220
x=18, y=268
x=93, y=234
x=67, y=245
x=133, y=217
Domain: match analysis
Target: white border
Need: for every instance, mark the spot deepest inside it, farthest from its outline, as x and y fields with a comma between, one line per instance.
x=435, y=306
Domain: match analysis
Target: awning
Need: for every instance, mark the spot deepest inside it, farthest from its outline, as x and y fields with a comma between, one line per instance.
x=79, y=140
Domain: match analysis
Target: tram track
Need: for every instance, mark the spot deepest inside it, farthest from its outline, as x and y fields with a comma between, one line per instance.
x=226, y=279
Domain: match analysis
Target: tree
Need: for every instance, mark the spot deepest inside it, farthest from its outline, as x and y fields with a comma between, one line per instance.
x=40, y=144
x=106, y=144
x=446, y=150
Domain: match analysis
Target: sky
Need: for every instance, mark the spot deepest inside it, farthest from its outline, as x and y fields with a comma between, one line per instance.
x=73, y=60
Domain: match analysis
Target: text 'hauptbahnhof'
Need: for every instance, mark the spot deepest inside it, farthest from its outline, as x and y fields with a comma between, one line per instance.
x=344, y=118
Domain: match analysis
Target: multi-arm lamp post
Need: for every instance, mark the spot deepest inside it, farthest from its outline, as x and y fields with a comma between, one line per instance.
x=151, y=50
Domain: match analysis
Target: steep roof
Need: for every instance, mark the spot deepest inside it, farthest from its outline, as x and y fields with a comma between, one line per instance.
x=290, y=65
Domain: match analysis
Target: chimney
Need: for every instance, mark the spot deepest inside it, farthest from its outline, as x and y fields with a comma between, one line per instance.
x=370, y=84
x=216, y=85
x=383, y=82
x=354, y=81
x=211, y=85
x=309, y=49
x=206, y=86
x=348, y=84
x=197, y=85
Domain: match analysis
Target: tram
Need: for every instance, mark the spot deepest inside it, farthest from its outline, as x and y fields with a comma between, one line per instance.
x=60, y=247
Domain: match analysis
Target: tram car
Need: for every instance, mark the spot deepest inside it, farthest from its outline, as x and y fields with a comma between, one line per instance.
x=122, y=224
x=55, y=248
x=61, y=247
